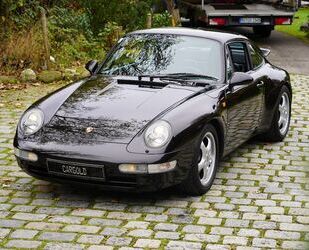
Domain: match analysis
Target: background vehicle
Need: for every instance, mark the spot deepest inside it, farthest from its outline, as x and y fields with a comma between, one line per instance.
x=262, y=16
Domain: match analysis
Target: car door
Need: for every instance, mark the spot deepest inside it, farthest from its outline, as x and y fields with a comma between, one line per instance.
x=244, y=103
x=259, y=72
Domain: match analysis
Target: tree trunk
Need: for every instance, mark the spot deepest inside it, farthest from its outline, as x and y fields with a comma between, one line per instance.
x=149, y=21
x=45, y=37
x=4, y=13
x=174, y=12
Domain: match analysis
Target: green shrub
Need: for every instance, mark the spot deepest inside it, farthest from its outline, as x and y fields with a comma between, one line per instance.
x=161, y=20
x=66, y=23
x=110, y=34
x=79, y=30
x=80, y=50
x=130, y=14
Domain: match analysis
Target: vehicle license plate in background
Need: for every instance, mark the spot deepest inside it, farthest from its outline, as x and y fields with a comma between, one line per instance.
x=250, y=20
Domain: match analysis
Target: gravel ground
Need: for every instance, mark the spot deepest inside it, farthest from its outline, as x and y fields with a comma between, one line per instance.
x=260, y=199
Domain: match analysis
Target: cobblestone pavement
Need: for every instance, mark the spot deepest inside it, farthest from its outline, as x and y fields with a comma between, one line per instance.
x=260, y=199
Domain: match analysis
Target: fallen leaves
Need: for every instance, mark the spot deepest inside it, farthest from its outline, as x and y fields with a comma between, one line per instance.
x=36, y=84
x=17, y=86
x=6, y=183
x=9, y=86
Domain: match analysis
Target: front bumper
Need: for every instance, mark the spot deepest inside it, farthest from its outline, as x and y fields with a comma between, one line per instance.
x=110, y=156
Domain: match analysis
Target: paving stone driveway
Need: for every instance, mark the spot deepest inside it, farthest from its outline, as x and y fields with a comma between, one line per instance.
x=260, y=199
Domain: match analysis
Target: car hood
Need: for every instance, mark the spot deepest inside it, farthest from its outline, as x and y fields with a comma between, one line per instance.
x=111, y=111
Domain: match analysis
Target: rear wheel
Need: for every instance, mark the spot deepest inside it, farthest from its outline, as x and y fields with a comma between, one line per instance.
x=262, y=31
x=281, y=120
x=205, y=163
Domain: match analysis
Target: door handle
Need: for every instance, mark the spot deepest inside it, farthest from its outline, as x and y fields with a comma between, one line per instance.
x=260, y=84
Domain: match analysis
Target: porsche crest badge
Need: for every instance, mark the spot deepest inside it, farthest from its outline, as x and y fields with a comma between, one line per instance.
x=89, y=130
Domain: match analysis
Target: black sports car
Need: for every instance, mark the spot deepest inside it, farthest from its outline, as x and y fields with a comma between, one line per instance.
x=161, y=110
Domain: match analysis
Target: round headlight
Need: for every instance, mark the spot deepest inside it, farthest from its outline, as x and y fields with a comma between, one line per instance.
x=158, y=134
x=32, y=121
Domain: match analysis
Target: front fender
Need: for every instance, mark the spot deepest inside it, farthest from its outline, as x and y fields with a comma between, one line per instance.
x=187, y=121
x=51, y=103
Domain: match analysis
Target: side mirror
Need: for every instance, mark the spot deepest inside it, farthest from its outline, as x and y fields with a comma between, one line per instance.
x=265, y=52
x=240, y=78
x=92, y=66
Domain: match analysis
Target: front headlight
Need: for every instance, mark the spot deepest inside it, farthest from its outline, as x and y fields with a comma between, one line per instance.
x=32, y=121
x=158, y=134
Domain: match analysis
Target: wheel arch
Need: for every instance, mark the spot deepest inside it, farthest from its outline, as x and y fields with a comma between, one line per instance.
x=288, y=85
x=286, y=81
x=220, y=132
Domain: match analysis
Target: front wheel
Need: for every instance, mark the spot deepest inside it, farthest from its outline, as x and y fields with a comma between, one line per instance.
x=205, y=163
x=281, y=120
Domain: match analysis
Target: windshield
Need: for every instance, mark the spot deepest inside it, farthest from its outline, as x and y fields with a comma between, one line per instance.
x=156, y=54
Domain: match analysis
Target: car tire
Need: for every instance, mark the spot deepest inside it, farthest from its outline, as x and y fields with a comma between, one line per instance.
x=206, y=156
x=262, y=31
x=279, y=128
x=192, y=17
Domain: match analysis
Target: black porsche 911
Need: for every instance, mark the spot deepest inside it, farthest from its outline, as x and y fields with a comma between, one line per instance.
x=161, y=110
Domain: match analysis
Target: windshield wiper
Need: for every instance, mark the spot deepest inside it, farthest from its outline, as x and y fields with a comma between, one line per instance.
x=193, y=75
x=182, y=76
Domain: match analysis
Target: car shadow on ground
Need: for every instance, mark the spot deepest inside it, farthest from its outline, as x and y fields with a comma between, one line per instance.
x=91, y=193
x=64, y=193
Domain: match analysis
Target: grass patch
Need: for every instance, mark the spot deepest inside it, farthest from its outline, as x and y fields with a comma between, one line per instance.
x=301, y=17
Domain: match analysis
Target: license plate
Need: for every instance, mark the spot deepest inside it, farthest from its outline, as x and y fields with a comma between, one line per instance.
x=250, y=20
x=76, y=170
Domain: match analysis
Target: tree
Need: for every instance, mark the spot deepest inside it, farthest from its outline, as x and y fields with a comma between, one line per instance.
x=171, y=7
x=130, y=14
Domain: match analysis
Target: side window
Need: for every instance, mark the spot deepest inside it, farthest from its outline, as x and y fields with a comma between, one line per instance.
x=238, y=52
x=256, y=58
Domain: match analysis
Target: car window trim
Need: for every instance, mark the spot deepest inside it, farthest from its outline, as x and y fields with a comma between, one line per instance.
x=222, y=53
x=248, y=62
x=228, y=58
x=250, y=57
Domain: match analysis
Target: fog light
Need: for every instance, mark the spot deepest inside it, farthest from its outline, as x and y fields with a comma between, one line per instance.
x=133, y=168
x=147, y=169
x=161, y=168
x=26, y=155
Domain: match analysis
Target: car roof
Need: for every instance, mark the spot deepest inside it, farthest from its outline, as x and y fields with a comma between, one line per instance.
x=220, y=36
